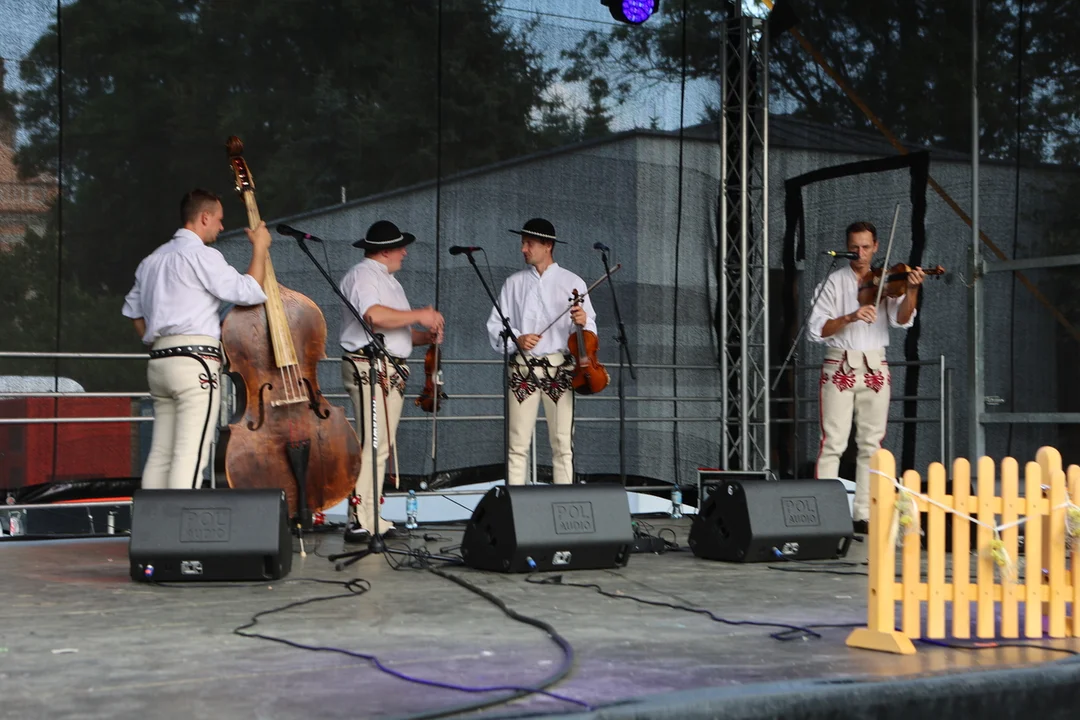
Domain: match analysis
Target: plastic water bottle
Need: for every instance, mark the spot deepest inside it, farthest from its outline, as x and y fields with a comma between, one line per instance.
x=16, y=522
x=410, y=510
x=676, y=502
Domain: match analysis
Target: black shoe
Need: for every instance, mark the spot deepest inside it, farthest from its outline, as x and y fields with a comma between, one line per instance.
x=356, y=534
x=861, y=527
x=392, y=534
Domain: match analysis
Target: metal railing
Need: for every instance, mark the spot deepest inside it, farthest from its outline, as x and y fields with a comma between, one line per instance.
x=943, y=398
x=943, y=418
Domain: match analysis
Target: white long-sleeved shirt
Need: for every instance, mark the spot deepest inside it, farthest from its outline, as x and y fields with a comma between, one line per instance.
x=366, y=284
x=532, y=300
x=180, y=286
x=840, y=296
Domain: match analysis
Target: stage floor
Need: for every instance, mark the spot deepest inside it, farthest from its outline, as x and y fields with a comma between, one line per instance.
x=78, y=639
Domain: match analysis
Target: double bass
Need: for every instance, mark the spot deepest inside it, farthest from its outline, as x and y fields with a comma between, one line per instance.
x=284, y=434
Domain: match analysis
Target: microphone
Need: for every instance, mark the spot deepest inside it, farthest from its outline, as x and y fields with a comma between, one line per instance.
x=847, y=255
x=466, y=249
x=284, y=229
x=600, y=246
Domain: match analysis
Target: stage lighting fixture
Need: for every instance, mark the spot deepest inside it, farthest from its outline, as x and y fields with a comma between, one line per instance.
x=633, y=12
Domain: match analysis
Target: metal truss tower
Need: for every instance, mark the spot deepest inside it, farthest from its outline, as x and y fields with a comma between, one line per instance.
x=744, y=245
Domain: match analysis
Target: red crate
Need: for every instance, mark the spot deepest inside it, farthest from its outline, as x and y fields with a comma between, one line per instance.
x=31, y=454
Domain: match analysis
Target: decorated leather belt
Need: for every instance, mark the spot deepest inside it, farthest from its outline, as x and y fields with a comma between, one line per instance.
x=541, y=361
x=180, y=350
x=361, y=356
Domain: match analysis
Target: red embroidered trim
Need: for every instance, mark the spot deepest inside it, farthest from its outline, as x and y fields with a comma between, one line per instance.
x=874, y=380
x=843, y=381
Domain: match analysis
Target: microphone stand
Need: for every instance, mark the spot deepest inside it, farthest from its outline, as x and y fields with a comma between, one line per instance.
x=507, y=335
x=373, y=350
x=793, y=353
x=624, y=354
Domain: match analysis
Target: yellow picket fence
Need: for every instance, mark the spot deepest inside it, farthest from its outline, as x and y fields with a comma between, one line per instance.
x=1046, y=587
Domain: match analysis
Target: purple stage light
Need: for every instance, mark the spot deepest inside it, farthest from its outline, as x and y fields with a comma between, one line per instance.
x=634, y=12
x=638, y=11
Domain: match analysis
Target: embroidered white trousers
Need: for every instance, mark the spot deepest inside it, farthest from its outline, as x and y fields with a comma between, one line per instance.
x=853, y=385
x=186, y=408
x=522, y=421
x=388, y=406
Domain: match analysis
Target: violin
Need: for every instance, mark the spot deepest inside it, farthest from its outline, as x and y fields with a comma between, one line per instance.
x=895, y=282
x=590, y=377
x=431, y=397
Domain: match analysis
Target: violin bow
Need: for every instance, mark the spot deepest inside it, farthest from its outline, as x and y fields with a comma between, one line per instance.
x=435, y=407
x=888, y=252
x=602, y=278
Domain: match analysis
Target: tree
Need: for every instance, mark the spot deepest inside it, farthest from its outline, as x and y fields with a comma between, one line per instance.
x=328, y=95
x=39, y=310
x=909, y=61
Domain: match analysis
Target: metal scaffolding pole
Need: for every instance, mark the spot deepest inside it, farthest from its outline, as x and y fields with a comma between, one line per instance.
x=744, y=246
x=976, y=293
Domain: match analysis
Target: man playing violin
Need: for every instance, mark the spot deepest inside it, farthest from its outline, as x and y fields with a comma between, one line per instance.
x=542, y=368
x=377, y=295
x=855, y=380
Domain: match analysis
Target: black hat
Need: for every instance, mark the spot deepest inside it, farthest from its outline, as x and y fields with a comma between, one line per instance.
x=539, y=228
x=384, y=235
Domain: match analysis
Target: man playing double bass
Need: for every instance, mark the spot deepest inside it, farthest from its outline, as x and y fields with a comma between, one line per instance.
x=174, y=306
x=376, y=294
x=542, y=368
x=855, y=379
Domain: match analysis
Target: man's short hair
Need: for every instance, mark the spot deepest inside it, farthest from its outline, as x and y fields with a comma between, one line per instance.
x=196, y=202
x=861, y=226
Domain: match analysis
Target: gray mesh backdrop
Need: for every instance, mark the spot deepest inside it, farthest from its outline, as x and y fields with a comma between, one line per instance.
x=459, y=119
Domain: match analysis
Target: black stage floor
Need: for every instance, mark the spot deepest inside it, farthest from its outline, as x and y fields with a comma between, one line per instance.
x=78, y=639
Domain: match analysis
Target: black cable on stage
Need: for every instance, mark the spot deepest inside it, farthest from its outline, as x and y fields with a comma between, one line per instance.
x=785, y=628
x=813, y=571
x=419, y=558
x=559, y=675
x=827, y=567
x=785, y=635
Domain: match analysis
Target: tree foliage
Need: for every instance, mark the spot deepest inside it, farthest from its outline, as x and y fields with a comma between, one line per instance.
x=909, y=61
x=130, y=103
x=357, y=94
x=44, y=315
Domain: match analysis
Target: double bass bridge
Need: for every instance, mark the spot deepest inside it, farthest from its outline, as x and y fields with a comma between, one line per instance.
x=288, y=401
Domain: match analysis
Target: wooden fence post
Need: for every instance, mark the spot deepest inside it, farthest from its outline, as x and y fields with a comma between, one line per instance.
x=880, y=632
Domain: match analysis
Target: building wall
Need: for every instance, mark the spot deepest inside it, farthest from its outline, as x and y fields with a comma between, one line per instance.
x=24, y=204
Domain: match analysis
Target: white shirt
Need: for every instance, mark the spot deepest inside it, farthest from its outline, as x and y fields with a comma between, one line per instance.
x=531, y=301
x=370, y=283
x=840, y=296
x=180, y=286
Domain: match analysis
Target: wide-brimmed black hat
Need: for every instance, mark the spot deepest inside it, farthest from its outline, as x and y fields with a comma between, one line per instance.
x=384, y=235
x=539, y=228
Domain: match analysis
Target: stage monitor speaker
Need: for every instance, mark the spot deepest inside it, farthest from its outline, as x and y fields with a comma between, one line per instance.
x=197, y=535
x=749, y=521
x=556, y=527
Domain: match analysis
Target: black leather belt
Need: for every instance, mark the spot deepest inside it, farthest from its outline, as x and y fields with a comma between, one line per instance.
x=209, y=350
